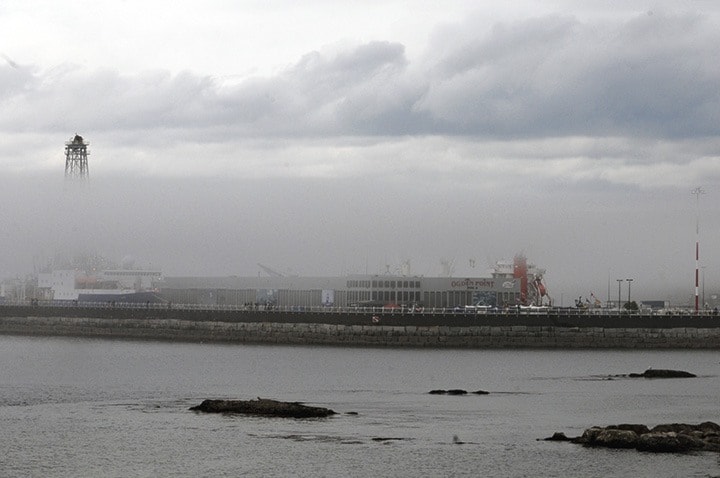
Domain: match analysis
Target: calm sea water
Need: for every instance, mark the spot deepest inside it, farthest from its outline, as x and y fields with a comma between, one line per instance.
x=97, y=408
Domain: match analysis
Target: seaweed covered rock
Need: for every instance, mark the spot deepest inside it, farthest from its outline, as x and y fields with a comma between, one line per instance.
x=614, y=438
x=263, y=406
x=669, y=442
x=667, y=438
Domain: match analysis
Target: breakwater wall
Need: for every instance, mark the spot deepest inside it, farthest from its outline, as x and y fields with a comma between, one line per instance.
x=359, y=329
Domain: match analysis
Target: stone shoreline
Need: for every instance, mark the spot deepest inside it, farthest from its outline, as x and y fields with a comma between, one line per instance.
x=436, y=336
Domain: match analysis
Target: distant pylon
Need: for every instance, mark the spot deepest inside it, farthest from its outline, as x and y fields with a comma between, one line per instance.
x=76, y=162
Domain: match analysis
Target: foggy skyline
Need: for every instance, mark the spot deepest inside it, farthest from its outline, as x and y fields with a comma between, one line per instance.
x=338, y=139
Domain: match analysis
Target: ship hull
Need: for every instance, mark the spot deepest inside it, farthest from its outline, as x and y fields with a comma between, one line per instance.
x=123, y=298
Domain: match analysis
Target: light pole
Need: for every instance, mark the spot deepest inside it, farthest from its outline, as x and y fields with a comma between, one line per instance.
x=629, y=281
x=697, y=192
x=619, y=281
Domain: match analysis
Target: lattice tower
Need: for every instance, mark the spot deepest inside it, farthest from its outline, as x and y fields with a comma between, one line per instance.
x=76, y=162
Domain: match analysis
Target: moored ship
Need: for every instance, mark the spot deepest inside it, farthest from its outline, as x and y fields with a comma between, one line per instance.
x=83, y=282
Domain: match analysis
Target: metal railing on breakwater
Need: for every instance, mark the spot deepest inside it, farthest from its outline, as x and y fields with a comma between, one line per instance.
x=552, y=328
x=452, y=311
x=552, y=317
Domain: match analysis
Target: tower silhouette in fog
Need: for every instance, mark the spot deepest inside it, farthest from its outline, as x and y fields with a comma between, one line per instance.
x=76, y=162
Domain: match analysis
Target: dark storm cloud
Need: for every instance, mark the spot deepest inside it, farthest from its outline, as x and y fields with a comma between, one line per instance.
x=556, y=76
x=654, y=76
x=348, y=93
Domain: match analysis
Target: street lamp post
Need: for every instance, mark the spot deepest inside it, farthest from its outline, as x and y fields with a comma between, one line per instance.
x=629, y=281
x=619, y=281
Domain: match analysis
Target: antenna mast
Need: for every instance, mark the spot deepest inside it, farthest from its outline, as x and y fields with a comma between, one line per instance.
x=697, y=192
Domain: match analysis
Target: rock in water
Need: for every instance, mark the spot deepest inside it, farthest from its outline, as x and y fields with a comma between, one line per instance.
x=614, y=438
x=263, y=406
x=452, y=391
x=660, y=373
x=666, y=438
x=663, y=373
x=557, y=436
x=669, y=442
x=457, y=391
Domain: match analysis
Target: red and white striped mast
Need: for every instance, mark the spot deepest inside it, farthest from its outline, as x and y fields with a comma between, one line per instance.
x=697, y=192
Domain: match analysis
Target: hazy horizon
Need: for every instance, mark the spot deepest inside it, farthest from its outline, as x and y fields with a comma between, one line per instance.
x=223, y=227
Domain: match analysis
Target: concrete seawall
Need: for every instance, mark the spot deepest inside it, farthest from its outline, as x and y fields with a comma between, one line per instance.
x=474, y=334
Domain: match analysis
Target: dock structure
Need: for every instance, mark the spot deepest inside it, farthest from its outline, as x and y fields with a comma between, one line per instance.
x=367, y=328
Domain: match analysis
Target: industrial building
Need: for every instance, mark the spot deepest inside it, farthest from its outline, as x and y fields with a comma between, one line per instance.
x=509, y=284
x=347, y=291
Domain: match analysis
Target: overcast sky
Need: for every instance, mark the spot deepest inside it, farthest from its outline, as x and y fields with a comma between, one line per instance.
x=324, y=138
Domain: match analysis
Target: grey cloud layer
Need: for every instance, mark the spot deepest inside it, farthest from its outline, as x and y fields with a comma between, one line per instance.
x=653, y=76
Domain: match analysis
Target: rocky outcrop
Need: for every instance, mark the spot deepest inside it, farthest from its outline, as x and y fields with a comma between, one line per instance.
x=669, y=438
x=456, y=391
x=704, y=427
x=557, y=436
x=263, y=406
x=669, y=442
x=662, y=373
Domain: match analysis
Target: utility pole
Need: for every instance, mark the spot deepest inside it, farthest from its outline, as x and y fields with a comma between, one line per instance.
x=619, y=281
